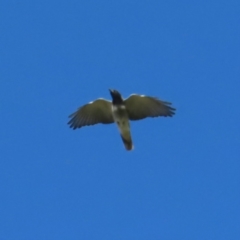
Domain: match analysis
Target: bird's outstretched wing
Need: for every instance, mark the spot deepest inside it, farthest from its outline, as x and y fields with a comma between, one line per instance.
x=140, y=106
x=98, y=111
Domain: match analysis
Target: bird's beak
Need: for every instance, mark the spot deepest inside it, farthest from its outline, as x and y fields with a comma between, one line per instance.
x=110, y=90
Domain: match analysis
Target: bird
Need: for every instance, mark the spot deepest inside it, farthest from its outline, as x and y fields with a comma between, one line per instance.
x=120, y=111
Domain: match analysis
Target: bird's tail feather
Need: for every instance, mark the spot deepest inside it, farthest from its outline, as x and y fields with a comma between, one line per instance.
x=127, y=140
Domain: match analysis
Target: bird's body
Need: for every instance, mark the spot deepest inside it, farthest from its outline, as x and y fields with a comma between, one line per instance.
x=120, y=117
x=120, y=111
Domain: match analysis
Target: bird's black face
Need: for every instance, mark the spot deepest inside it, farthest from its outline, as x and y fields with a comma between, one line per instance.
x=116, y=96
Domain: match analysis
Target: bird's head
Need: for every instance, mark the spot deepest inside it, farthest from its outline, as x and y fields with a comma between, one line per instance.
x=116, y=96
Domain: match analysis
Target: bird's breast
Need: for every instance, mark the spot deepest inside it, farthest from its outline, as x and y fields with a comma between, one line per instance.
x=119, y=111
x=120, y=116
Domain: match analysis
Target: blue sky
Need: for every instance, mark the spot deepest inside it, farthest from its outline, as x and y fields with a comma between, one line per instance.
x=181, y=181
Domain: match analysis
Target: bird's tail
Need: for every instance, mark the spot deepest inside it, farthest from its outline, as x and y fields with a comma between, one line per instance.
x=127, y=140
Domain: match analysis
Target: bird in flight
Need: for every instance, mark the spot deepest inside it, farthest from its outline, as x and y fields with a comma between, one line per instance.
x=120, y=111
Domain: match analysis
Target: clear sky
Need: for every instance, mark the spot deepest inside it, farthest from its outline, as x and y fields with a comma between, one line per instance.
x=181, y=181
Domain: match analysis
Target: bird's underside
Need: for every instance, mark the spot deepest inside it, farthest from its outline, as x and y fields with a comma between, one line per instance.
x=135, y=107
